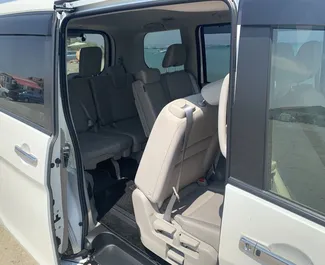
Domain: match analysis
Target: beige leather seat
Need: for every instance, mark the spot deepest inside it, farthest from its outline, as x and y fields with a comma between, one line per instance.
x=178, y=84
x=191, y=235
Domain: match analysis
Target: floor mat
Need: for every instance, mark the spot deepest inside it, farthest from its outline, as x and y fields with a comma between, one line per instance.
x=125, y=202
x=123, y=229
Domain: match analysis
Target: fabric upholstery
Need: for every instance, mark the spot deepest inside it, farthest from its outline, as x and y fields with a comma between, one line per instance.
x=175, y=56
x=90, y=61
x=95, y=146
x=116, y=107
x=199, y=213
x=80, y=96
x=177, y=85
x=150, y=99
x=118, y=74
x=148, y=76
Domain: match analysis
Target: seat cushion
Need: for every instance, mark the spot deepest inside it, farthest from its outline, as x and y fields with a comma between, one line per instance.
x=199, y=213
x=99, y=146
x=132, y=128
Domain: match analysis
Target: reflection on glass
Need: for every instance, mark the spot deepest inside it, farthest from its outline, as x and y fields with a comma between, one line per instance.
x=28, y=90
x=297, y=117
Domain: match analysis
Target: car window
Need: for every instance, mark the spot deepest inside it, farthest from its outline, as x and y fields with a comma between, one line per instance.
x=76, y=42
x=155, y=47
x=216, y=51
x=296, y=157
x=24, y=67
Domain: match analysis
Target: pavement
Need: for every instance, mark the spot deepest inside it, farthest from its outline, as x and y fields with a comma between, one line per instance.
x=11, y=252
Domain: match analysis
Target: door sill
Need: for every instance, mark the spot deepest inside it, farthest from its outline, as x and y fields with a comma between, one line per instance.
x=109, y=248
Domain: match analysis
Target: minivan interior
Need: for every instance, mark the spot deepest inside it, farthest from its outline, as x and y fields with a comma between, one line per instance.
x=143, y=90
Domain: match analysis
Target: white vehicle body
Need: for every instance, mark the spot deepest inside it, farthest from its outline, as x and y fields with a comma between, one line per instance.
x=63, y=200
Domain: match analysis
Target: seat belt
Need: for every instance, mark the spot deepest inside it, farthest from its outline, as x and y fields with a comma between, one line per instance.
x=91, y=123
x=189, y=122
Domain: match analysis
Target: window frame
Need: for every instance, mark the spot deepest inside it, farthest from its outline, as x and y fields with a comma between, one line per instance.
x=249, y=121
x=107, y=44
x=35, y=24
x=144, y=37
x=201, y=51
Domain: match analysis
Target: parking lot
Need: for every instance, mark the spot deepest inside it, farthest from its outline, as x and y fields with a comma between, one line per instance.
x=11, y=252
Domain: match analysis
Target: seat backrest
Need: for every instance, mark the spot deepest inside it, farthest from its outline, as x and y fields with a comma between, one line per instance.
x=80, y=96
x=150, y=97
x=113, y=95
x=178, y=84
x=160, y=164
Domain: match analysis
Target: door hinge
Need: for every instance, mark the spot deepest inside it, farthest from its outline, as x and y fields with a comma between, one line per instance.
x=64, y=7
x=66, y=154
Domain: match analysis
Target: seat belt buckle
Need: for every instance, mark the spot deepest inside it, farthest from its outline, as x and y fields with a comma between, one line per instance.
x=202, y=182
x=176, y=194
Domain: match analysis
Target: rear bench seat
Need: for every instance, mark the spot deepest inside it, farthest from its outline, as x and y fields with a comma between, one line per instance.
x=152, y=91
x=115, y=105
x=97, y=143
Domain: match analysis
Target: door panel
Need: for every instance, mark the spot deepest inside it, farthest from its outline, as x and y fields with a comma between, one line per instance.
x=24, y=197
x=286, y=234
x=274, y=209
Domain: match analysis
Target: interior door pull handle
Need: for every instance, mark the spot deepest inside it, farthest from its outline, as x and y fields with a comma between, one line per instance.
x=261, y=253
x=27, y=157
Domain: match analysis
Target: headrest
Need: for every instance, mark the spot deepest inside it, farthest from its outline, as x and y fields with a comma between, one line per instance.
x=295, y=69
x=211, y=92
x=118, y=75
x=90, y=61
x=284, y=63
x=148, y=76
x=309, y=58
x=175, y=56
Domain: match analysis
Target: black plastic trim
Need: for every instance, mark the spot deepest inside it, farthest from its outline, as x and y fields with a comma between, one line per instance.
x=279, y=12
x=247, y=130
x=298, y=209
x=30, y=23
x=200, y=44
x=198, y=54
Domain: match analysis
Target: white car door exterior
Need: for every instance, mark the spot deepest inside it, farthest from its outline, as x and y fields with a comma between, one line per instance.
x=26, y=132
x=274, y=210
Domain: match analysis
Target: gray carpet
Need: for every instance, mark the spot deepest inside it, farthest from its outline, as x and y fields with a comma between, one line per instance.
x=126, y=200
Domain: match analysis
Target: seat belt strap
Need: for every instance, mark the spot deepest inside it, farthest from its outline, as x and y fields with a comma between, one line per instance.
x=189, y=122
x=91, y=123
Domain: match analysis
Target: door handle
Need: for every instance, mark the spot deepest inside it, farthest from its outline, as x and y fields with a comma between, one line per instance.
x=261, y=253
x=27, y=157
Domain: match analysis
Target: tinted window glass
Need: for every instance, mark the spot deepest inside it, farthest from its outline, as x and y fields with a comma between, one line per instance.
x=76, y=42
x=24, y=76
x=155, y=47
x=217, y=51
x=297, y=117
